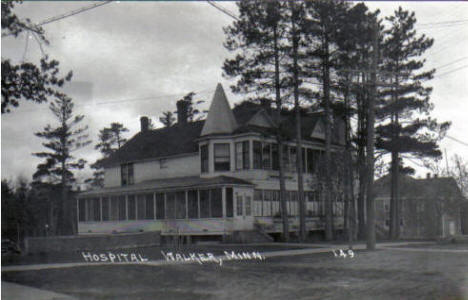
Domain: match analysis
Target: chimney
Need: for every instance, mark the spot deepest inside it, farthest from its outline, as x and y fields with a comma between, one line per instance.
x=266, y=104
x=144, y=122
x=428, y=175
x=182, y=112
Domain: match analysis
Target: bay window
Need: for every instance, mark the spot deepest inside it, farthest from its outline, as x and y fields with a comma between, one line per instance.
x=204, y=158
x=222, y=157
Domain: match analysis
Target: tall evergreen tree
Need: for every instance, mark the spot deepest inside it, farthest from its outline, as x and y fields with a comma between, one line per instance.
x=257, y=40
x=401, y=132
x=110, y=139
x=327, y=17
x=59, y=163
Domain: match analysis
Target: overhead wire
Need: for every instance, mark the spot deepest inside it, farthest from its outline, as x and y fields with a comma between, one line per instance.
x=201, y=92
x=223, y=10
x=457, y=140
x=72, y=13
x=451, y=71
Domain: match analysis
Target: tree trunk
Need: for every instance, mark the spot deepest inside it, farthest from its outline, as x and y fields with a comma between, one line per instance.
x=326, y=94
x=284, y=212
x=370, y=145
x=299, y=163
x=362, y=133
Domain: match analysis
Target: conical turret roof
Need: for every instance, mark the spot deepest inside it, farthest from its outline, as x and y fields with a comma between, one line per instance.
x=220, y=117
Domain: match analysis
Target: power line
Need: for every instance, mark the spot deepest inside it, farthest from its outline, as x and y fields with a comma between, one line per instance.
x=451, y=71
x=124, y=100
x=71, y=13
x=442, y=23
x=457, y=140
x=223, y=10
x=451, y=63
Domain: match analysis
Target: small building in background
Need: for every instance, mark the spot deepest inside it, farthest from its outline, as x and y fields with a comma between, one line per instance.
x=429, y=208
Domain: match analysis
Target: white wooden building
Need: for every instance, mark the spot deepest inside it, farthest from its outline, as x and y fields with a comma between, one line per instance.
x=210, y=177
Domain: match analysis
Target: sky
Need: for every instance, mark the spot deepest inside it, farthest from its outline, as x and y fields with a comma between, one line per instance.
x=131, y=59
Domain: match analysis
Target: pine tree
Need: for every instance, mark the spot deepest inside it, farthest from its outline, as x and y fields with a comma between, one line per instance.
x=59, y=163
x=193, y=114
x=257, y=40
x=110, y=140
x=401, y=132
x=326, y=19
x=167, y=119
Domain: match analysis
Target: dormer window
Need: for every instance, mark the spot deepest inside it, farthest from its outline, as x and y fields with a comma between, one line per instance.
x=222, y=157
x=126, y=174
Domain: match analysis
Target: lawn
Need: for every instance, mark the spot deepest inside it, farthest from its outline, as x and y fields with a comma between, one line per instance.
x=383, y=274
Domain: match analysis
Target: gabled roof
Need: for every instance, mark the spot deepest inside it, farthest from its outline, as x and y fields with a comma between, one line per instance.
x=162, y=142
x=169, y=183
x=220, y=118
x=427, y=188
x=181, y=138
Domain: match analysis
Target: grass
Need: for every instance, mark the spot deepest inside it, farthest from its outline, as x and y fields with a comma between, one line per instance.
x=383, y=274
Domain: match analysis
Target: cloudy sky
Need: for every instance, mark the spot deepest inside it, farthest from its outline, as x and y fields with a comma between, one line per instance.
x=138, y=58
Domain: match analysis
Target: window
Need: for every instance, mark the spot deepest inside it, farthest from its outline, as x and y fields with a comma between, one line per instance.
x=246, y=155
x=258, y=198
x=163, y=163
x=180, y=205
x=97, y=209
x=114, y=208
x=222, y=157
x=310, y=161
x=216, y=203
x=275, y=156
x=303, y=160
x=248, y=205
x=239, y=156
x=205, y=204
x=293, y=158
x=141, y=209
x=257, y=155
x=149, y=207
x=170, y=205
x=266, y=155
x=193, y=204
x=239, y=205
x=160, y=206
x=105, y=209
x=242, y=155
x=267, y=198
x=82, y=210
x=131, y=206
x=89, y=209
x=122, y=208
x=229, y=202
x=204, y=158
x=286, y=157
x=126, y=174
